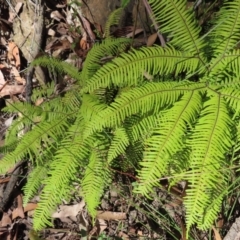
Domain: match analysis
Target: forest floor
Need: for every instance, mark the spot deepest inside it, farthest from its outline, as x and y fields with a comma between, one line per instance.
x=68, y=32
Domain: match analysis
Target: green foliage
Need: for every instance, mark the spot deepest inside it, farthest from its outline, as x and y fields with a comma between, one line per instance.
x=113, y=19
x=185, y=129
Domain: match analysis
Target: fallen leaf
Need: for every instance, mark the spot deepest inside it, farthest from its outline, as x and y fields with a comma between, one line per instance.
x=13, y=14
x=56, y=15
x=151, y=39
x=69, y=211
x=216, y=234
x=13, y=54
x=102, y=225
x=137, y=31
x=6, y=220
x=2, y=66
x=87, y=28
x=30, y=207
x=2, y=80
x=11, y=90
x=18, y=212
x=83, y=42
x=107, y=215
x=17, y=76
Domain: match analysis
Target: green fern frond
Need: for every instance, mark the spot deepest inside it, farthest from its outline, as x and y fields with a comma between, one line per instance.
x=141, y=128
x=97, y=175
x=167, y=140
x=69, y=158
x=127, y=69
x=108, y=47
x=58, y=65
x=232, y=97
x=210, y=140
x=226, y=32
x=118, y=145
x=225, y=67
x=113, y=19
x=179, y=22
x=34, y=182
x=141, y=100
x=32, y=142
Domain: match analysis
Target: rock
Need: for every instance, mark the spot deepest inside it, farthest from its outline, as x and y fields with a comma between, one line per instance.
x=98, y=11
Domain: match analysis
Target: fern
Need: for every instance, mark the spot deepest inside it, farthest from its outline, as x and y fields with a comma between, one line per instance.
x=183, y=122
x=112, y=20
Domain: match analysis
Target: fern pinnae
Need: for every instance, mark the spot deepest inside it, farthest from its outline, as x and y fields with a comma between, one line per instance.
x=97, y=174
x=126, y=69
x=34, y=182
x=63, y=170
x=232, y=98
x=118, y=144
x=141, y=128
x=31, y=142
x=138, y=100
x=98, y=51
x=167, y=139
x=58, y=65
x=207, y=158
x=113, y=19
x=226, y=65
x=227, y=33
x=179, y=21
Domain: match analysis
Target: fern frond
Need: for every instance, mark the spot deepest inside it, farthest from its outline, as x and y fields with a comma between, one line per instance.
x=69, y=158
x=108, y=47
x=58, y=65
x=34, y=182
x=180, y=23
x=97, y=175
x=226, y=32
x=167, y=140
x=232, y=97
x=31, y=143
x=118, y=145
x=127, y=69
x=210, y=140
x=141, y=128
x=113, y=19
x=151, y=97
x=224, y=70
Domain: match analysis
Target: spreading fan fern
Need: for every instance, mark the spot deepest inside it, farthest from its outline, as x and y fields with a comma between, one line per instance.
x=185, y=128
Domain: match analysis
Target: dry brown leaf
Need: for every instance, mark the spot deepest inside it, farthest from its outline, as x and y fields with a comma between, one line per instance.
x=56, y=15
x=18, y=212
x=62, y=28
x=39, y=101
x=137, y=31
x=69, y=211
x=151, y=39
x=83, y=42
x=2, y=66
x=11, y=90
x=216, y=234
x=30, y=207
x=17, y=76
x=102, y=225
x=87, y=28
x=13, y=14
x=6, y=220
x=13, y=54
x=107, y=215
x=2, y=80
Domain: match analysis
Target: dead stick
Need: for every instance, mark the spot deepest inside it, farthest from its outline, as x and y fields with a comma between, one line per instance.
x=149, y=10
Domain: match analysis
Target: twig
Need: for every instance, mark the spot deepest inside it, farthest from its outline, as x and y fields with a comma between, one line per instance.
x=150, y=13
